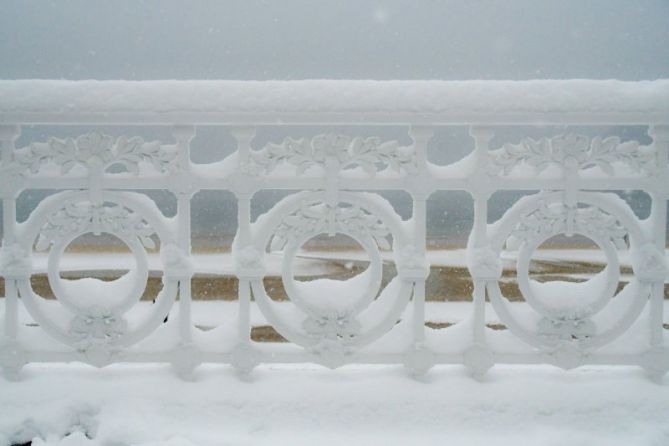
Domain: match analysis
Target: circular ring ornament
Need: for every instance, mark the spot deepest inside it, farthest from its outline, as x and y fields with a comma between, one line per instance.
x=130, y=295
x=601, y=315
x=355, y=305
x=596, y=299
x=329, y=328
x=90, y=323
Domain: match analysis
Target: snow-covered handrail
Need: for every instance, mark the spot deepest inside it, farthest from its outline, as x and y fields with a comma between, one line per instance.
x=338, y=177
x=334, y=102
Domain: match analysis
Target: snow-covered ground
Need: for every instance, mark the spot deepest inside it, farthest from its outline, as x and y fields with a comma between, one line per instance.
x=366, y=405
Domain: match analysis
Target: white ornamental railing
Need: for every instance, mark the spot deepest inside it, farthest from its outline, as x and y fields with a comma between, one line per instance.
x=337, y=176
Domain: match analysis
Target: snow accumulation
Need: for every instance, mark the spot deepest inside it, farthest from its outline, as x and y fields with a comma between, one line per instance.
x=18, y=97
x=76, y=405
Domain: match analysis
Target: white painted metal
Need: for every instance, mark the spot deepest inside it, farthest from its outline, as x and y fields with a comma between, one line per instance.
x=334, y=175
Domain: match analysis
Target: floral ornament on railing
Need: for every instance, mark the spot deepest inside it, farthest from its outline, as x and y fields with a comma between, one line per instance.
x=561, y=218
x=332, y=332
x=249, y=260
x=650, y=264
x=330, y=353
x=566, y=329
x=412, y=263
x=15, y=261
x=320, y=218
x=83, y=217
x=93, y=149
x=573, y=152
x=484, y=263
x=332, y=326
x=176, y=264
x=371, y=154
x=97, y=325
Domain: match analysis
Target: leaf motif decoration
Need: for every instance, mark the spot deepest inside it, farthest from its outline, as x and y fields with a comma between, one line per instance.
x=555, y=219
x=369, y=153
x=573, y=151
x=318, y=218
x=95, y=148
x=97, y=325
x=83, y=217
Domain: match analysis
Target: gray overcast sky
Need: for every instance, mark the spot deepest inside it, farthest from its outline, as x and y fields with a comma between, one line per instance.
x=296, y=39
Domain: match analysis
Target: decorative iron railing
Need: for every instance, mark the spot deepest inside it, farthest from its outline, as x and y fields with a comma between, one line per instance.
x=337, y=176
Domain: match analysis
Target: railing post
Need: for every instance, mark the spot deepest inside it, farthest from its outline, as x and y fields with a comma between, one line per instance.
x=244, y=358
x=183, y=136
x=482, y=262
x=658, y=217
x=187, y=357
x=421, y=137
x=656, y=361
x=244, y=322
x=9, y=134
x=11, y=255
x=420, y=359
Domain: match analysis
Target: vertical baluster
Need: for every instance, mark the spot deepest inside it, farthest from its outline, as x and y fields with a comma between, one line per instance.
x=11, y=357
x=421, y=137
x=8, y=135
x=244, y=322
x=186, y=358
x=420, y=359
x=185, y=191
x=479, y=242
x=244, y=135
x=482, y=137
x=658, y=217
x=419, y=216
x=478, y=358
x=244, y=358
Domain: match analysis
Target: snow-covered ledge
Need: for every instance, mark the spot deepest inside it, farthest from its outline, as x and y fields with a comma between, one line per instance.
x=564, y=324
x=335, y=102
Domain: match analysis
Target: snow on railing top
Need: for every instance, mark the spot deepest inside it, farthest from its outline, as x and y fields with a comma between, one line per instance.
x=335, y=101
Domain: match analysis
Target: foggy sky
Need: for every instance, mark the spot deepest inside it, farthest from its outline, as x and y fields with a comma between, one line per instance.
x=346, y=39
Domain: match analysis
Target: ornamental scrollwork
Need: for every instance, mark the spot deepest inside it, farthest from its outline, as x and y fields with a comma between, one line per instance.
x=369, y=153
x=318, y=218
x=558, y=218
x=82, y=217
x=573, y=152
x=95, y=149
